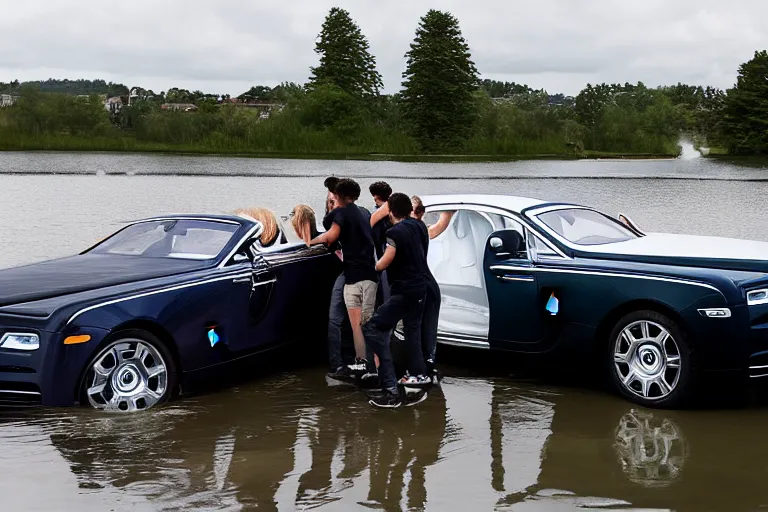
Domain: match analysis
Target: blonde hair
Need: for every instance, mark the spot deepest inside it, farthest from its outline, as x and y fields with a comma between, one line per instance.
x=418, y=207
x=303, y=220
x=267, y=220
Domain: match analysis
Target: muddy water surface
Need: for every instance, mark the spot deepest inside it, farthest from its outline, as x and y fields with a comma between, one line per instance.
x=285, y=440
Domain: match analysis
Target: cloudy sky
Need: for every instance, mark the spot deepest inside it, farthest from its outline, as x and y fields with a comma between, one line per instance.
x=225, y=46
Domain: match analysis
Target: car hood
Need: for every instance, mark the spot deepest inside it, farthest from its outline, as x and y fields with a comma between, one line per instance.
x=85, y=272
x=700, y=251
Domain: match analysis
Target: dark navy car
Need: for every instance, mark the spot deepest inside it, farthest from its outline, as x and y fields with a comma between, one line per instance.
x=122, y=324
x=528, y=276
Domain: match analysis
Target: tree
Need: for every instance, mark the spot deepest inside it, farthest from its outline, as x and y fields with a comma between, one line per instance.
x=745, y=122
x=439, y=84
x=344, y=57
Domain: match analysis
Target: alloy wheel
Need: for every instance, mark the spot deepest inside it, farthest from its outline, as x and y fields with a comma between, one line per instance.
x=647, y=360
x=128, y=375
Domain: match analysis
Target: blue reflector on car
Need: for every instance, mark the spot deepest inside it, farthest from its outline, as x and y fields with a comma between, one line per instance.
x=213, y=337
x=553, y=305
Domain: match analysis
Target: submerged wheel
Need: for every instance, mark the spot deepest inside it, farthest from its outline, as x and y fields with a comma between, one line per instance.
x=132, y=373
x=649, y=360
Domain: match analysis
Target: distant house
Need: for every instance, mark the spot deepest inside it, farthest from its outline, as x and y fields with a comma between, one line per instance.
x=6, y=100
x=113, y=104
x=184, y=107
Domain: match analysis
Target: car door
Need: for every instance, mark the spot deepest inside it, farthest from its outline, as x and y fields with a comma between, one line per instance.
x=286, y=299
x=516, y=306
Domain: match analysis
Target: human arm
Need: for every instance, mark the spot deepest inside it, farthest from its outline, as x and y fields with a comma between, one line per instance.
x=386, y=258
x=379, y=214
x=329, y=237
x=441, y=225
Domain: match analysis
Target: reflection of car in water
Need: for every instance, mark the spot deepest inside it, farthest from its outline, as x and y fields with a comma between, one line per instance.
x=122, y=324
x=257, y=447
x=527, y=276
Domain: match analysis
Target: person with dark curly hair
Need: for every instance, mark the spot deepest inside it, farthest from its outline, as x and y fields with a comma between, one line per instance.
x=406, y=261
x=346, y=224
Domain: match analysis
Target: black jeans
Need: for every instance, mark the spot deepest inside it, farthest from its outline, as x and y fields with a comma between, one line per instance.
x=377, y=334
x=336, y=316
x=429, y=320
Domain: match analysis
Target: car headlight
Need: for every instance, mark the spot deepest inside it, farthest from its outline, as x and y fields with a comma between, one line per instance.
x=19, y=341
x=756, y=297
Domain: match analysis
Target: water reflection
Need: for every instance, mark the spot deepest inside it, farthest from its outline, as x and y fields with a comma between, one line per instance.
x=291, y=443
x=651, y=449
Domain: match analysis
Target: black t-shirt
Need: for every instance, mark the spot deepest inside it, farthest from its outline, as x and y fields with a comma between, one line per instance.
x=407, y=274
x=356, y=242
x=380, y=235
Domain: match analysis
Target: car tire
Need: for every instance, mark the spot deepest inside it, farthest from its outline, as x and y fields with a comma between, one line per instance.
x=649, y=360
x=132, y=371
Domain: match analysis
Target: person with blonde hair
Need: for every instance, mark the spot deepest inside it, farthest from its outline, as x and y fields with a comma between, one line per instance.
x=267, y=219
x=304, y=222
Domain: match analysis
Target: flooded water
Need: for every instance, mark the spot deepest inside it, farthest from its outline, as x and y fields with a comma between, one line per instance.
x=284, y=440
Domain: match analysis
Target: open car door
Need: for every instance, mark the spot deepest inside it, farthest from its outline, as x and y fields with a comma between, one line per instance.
x=513, y=293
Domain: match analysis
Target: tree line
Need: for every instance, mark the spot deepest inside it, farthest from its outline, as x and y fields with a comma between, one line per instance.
x=443, y=107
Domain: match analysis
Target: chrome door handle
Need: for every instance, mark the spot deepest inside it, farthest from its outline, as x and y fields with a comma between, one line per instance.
x=242, y=280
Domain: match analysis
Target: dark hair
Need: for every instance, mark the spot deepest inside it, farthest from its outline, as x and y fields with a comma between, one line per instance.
x=381, y=189
x=347, y=189
x=400, y=205
x=331, y=182
x=419, y=208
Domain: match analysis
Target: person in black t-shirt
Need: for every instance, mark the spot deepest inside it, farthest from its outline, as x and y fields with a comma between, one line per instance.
x=347, y=224
x=380, y=191
x=406, y=263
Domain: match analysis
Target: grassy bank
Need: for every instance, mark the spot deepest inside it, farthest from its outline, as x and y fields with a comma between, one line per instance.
x=17, y=142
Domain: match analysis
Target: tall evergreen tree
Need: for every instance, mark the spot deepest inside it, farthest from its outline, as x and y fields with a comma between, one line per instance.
x=746, y=108
x=439, y=83
x=344, y=57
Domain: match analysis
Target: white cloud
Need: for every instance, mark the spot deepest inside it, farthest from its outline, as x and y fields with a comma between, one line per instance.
x=229, y=45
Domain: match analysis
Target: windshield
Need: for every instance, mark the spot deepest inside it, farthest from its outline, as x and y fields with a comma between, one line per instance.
x=585, y=227
x=185, y=239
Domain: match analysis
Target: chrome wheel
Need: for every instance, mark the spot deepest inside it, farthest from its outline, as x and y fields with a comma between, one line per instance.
x=647, y=360
x=128, y=375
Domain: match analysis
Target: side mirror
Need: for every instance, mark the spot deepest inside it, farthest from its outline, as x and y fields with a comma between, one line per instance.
x=496, y=244
x=240, y=258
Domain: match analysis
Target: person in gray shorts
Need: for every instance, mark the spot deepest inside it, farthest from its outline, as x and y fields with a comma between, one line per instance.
x=349, y=226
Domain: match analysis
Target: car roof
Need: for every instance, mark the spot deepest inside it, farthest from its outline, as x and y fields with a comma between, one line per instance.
x=512, y=203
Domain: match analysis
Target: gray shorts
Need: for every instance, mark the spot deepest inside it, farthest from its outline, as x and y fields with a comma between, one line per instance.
x=361, y=295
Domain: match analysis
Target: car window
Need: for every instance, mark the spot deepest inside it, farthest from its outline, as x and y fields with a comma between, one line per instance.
x=185, y=239
x=585, y=227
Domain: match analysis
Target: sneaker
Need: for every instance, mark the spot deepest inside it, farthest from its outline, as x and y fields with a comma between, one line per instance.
x=359, y=367
x=414, y=398
x=386, y=400
x=341, y=373
x=415, y=381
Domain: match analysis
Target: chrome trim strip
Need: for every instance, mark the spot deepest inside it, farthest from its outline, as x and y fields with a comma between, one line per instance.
x=758, y=376
x=16, y=392
x=461, y=342
x=155, y=292
x=456, y=340
x=758, y=367
x=206, y=219
x=516, y=278
x=715, y=312
x=612, y=274
x=757, y=302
